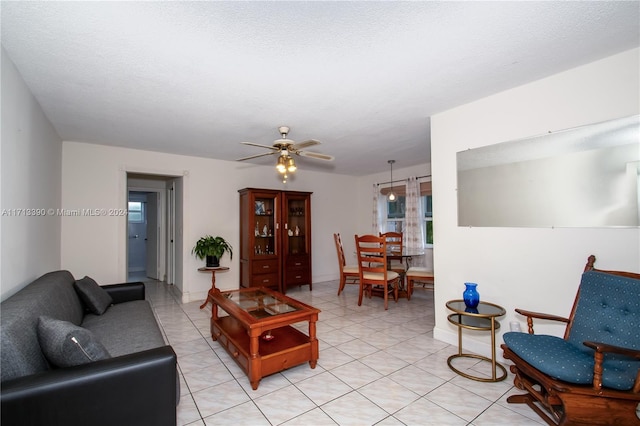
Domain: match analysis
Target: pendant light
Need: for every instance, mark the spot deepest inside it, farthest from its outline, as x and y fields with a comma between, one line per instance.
x=391, y=197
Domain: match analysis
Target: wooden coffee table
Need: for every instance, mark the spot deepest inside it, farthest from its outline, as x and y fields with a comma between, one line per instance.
x=257, y=331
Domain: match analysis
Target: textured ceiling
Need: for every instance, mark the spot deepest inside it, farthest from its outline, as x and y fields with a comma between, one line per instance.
x=197, y=78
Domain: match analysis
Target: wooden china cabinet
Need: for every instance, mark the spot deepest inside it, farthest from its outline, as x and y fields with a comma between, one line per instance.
x=275, y=238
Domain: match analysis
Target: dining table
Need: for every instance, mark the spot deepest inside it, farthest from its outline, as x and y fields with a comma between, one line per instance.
x=406, y=255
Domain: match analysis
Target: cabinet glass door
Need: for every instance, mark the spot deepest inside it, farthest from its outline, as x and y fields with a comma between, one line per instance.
x=265, y=225
x=296, y=211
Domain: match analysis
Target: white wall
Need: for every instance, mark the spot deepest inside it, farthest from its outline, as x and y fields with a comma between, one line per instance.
x=94, y=177
x=533, y=268
x=31, y=155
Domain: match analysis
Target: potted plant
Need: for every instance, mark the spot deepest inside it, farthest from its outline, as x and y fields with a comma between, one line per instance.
x=212, y=249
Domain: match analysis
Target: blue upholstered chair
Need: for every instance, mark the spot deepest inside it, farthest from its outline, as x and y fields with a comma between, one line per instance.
x=592, y=375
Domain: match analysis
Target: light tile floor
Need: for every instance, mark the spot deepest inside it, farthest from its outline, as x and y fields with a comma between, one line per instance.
x=376, y=367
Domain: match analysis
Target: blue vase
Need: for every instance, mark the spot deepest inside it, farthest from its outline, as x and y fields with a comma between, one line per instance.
x=470, y=295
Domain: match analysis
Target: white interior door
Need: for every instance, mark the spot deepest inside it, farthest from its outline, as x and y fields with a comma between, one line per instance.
x=171, y=226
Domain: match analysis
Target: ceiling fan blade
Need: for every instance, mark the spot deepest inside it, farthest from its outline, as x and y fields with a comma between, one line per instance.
x=256, y=156
x=306, y=144
x=260, y=145
x=316, y=155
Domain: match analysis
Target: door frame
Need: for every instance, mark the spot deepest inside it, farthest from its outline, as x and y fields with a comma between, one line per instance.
x=183, y=226
x=171, y=232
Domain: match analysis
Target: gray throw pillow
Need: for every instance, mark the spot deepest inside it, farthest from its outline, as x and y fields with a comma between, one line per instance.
x=65, y=344
x=95, y=297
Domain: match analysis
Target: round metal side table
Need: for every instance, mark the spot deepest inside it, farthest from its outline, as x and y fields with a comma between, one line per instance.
x=481, y=318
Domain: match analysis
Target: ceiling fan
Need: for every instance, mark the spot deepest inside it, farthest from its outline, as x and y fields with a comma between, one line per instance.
x=286, y=148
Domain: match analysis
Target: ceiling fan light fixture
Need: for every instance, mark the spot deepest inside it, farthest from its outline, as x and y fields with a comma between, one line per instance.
x=391, y=197
x=291, y=165
x=281, y=165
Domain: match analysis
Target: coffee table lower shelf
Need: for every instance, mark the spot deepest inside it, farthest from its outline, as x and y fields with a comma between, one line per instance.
x=288, y=347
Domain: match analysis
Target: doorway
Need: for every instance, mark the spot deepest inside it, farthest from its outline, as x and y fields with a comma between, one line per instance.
x=142, y=237
x=151, y=251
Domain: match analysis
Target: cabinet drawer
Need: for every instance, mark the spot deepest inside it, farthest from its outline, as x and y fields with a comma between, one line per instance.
x=298, y=276
x=265, y=280
x=265, y=266
x=238, y=356
x=297, y=262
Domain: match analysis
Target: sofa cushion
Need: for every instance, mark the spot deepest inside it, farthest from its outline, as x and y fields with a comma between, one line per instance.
x=53, y=295
x=94, y=297
x=65, y=344
x=126, y=328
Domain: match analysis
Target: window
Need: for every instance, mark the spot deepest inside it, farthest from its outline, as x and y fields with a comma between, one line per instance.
x=136, y=212
x=395, y=216
x=427, y=208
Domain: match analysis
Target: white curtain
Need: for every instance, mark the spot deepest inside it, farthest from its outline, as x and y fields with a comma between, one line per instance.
x=376, y=220
x=414, y=220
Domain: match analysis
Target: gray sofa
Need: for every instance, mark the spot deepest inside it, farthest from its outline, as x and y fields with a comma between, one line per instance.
x=127, y=374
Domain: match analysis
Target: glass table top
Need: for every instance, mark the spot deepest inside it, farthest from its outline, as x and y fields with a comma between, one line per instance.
x=483, y=309
x=260, y=304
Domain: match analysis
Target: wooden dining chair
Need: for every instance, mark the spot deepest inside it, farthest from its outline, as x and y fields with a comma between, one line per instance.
x=394, y=246
x=372, y=269
x=417, y=274
x=348, y=273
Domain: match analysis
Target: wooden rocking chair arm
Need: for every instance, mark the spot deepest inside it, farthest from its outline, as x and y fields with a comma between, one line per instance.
x=598, y=357
x=540, y=315
x=531, y=315
x=606, y=348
